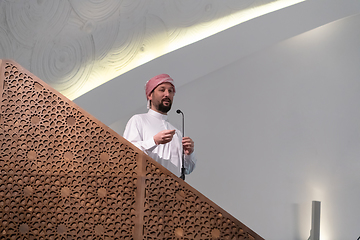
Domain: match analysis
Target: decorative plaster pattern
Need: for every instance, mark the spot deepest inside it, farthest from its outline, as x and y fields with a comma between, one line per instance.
x=63, y=59
x=65, y=175
x=77, y=45
x=5, y=45
x=29, y=21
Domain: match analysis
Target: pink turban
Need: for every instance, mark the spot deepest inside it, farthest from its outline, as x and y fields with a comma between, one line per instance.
x=156, y=81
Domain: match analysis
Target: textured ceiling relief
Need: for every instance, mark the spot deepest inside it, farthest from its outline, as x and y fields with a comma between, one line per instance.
x=77, y=45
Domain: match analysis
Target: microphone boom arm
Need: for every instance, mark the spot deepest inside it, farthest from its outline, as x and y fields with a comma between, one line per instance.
x=183, y=152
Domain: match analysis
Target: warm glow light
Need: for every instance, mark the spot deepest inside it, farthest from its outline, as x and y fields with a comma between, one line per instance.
x=193, y=34
x=229, y=21
x=319, y=192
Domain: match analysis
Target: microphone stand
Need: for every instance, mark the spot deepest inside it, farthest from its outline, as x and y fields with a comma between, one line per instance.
x=183, y=152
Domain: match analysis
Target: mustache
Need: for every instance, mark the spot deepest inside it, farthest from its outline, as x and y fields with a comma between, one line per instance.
x=166, y=99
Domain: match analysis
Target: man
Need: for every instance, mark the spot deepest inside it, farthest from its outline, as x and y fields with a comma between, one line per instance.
x=152, y=133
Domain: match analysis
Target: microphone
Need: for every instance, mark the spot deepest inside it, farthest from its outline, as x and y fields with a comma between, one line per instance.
x=183, y=153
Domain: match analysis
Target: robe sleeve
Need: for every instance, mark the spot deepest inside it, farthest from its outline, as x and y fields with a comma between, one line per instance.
x=133, y=133
x=190, y=162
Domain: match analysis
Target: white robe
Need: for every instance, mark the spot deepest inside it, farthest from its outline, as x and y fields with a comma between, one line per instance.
x=140, y=131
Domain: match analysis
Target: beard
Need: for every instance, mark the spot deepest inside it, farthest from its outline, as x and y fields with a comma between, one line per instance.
x=162, y=108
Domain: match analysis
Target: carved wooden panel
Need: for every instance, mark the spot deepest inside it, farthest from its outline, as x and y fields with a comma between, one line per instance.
x=65, y=175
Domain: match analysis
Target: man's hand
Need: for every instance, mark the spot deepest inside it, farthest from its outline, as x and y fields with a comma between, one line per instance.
x=188, y=145
x=164, y=136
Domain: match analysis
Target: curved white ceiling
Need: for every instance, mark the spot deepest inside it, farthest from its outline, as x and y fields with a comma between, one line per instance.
x=114, y=102
x=77, y=45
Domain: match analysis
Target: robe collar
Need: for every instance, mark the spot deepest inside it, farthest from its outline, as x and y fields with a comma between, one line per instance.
x=158, y=115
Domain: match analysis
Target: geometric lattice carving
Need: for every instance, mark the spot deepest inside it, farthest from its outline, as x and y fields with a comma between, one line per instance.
x=65, y=175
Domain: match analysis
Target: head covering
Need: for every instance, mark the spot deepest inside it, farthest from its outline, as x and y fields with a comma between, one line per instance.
x=156, y=81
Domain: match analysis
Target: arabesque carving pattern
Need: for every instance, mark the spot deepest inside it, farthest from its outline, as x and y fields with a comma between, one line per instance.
x=65, y=175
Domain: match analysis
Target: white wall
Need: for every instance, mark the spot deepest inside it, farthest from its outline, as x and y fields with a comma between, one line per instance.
x=274, y=130
x=282, y=128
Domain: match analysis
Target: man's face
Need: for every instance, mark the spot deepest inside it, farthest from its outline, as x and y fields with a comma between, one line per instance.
x=161, y=98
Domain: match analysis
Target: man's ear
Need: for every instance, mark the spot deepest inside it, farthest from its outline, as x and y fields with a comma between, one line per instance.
x=150, y=96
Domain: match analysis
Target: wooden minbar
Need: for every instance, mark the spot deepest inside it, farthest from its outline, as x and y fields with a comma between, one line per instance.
x=65, y=175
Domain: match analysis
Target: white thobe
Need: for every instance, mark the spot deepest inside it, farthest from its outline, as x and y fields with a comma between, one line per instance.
x=140, y=131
